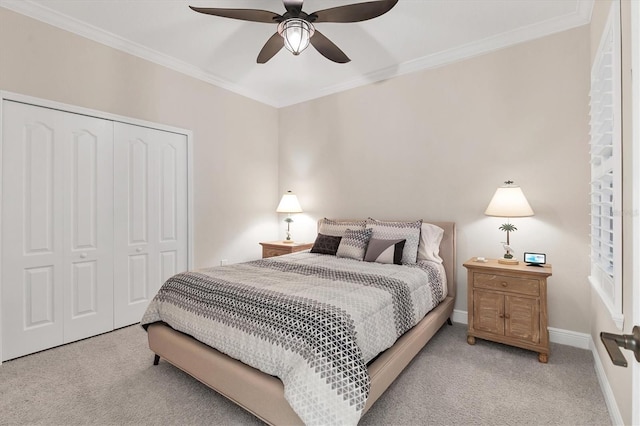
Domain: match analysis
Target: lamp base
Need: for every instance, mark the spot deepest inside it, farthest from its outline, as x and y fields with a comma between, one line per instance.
x=509, y=261
x=287, y=241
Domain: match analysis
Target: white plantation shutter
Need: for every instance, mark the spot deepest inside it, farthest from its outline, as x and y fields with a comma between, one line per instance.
x=606, y=165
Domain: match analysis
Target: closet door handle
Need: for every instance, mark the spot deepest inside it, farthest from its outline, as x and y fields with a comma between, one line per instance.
x=83, y=255
x=139, y=250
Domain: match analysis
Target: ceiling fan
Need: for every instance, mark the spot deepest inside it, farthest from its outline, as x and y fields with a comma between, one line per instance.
x=296, y=29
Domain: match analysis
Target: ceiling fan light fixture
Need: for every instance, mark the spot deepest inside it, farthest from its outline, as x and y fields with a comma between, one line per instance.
x=296, y=33
x=296, y=28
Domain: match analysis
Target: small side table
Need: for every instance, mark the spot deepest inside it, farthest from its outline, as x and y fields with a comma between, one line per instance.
x=508, y=304
x=278, y=248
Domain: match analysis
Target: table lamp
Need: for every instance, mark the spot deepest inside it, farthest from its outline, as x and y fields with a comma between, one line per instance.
x=289, y=204
x=508, y=201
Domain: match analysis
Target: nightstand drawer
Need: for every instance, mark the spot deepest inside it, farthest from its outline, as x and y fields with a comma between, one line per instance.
x=506, y=283
x=271, y=252
x=279, y=248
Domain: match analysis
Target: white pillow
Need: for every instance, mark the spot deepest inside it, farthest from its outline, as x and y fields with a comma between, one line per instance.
x=430, y=238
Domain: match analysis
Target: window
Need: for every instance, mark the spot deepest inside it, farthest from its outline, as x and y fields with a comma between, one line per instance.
x=606, y=165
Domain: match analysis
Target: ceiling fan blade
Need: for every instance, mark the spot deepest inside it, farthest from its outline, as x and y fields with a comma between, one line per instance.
x=353, y=12
x=328, y=49
x=270, y=48
x=293, y=6
x=253, y=15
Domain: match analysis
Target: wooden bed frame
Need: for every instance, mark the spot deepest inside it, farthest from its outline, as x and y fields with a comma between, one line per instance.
x=262, y=394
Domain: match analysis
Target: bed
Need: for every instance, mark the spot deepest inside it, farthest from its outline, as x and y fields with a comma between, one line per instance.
x=263, y=394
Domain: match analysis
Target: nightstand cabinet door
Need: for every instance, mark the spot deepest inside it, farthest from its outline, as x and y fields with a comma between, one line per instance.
x=522, y=318
x=488, y=312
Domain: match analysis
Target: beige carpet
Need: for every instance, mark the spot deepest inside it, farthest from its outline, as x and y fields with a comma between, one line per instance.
x=110, y=380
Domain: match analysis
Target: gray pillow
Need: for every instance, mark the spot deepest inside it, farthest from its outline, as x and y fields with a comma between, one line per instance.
x=385, y=251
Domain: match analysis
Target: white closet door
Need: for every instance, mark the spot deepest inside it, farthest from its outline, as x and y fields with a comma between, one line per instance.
x=88, y=215
x=57, y=228
x=150, y=215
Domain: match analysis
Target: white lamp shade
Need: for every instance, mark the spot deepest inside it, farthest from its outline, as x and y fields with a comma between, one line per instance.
x=289, y=204
x=509, y=201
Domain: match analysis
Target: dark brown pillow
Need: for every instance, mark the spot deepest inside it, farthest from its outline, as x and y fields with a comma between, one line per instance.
x=326, y=244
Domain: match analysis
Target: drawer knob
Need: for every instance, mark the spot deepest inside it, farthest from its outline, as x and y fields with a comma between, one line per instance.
x=504, y=283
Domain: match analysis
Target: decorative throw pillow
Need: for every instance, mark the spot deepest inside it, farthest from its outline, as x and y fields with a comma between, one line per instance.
x=326, y=244
x=409, y=231
x=337, y=228
x=354, y=243
x=430, y=239
x=385, y=251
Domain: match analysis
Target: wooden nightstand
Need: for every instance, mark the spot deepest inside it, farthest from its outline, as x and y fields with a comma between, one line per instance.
x=508, y=304
x=278, y=248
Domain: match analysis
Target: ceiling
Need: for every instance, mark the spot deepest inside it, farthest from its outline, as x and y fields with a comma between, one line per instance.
x=414, y=35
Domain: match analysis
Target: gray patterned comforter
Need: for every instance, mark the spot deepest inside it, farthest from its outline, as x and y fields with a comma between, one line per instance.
x=312, y=320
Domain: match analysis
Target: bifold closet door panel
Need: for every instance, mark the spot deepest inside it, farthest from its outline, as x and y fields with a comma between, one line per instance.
x=88, y=215
x=150, y=215
x=57, y=228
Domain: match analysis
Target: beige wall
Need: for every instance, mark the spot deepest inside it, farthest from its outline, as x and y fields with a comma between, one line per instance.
x=436, y=144
x=433, y=144
x=618, y=378
x=236, y=139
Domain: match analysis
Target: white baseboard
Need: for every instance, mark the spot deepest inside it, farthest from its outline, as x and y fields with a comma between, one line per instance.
x=556, y=335
x=459, y=316
x=569, y=338
x=578, y=340
x=609, y=398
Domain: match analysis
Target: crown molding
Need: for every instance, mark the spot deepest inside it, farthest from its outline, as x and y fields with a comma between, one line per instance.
x=581, y=16
x=56, y=19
